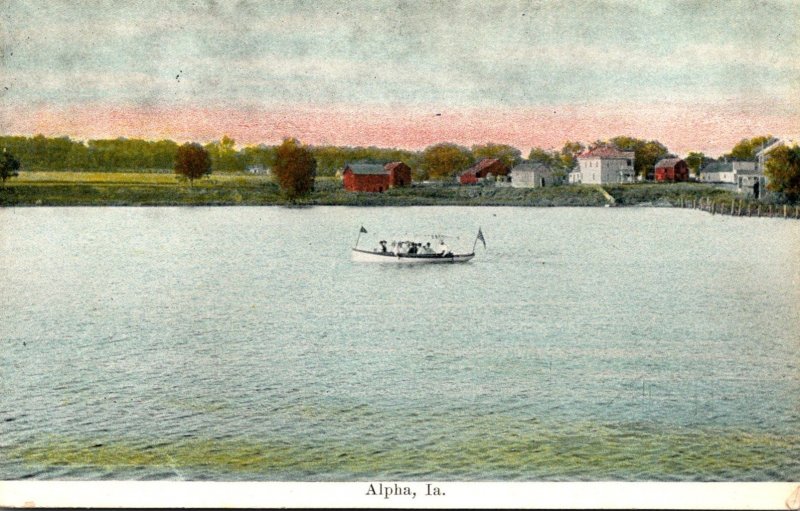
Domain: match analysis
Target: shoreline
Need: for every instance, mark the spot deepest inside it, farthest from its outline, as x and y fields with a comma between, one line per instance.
x=35, y=189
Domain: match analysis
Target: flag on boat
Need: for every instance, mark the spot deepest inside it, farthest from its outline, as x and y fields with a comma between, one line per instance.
x=480, y=237
x=363, y=230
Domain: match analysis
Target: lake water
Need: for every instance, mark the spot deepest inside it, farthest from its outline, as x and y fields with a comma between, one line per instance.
x=243, y=344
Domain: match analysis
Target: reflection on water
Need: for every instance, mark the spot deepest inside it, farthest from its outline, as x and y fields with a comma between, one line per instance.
x=242, y=344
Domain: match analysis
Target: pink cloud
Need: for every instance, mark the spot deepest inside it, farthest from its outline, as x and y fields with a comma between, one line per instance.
x=712, y=128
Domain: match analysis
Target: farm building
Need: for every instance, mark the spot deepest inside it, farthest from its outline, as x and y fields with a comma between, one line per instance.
x=483, y=169
x=604, y=165
x=399, y=174
x=532, y=175
x=727, y=171
x=373, y=177
x=671, y=169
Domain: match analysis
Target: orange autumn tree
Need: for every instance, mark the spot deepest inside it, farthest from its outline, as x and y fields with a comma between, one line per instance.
x=295, y=168
x=192, y=162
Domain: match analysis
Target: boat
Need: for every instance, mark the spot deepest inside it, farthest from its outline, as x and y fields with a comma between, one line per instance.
x=412, y=251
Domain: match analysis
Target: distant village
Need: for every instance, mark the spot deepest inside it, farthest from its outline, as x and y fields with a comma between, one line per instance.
x=38, y=170
x=599, y=166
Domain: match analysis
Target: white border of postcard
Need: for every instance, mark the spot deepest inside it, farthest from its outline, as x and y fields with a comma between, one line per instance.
x=479, y=495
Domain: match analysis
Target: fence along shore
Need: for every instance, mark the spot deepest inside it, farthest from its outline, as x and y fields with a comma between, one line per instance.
x=742, y=207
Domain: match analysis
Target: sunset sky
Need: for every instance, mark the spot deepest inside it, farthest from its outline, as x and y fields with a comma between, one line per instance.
x=695, y=75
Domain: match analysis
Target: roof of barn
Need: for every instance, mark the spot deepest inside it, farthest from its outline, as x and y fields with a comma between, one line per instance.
x=668, y=163
x=366, y=168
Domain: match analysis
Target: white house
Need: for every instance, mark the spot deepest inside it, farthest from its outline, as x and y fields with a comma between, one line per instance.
x=259, y=169
x=744, y=174
x=532, y=175
x=604, y=165
x=727, y=171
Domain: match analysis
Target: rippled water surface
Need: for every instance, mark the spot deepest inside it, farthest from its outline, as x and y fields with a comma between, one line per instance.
x=242, y=344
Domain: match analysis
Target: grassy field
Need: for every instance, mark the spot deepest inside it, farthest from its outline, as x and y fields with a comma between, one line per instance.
x=160, y=189
x=133, y=178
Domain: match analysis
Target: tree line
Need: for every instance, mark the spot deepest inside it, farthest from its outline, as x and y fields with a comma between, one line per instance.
x=438, y=161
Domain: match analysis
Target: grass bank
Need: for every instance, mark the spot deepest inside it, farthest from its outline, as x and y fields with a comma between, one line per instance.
x=154, y=189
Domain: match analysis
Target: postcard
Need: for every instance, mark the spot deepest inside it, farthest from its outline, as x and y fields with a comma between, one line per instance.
x=400, y=254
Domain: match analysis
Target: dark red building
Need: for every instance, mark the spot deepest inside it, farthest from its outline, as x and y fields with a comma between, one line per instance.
x=399, y=174
x=481, y=170
x=373, y=177
x=671, y=169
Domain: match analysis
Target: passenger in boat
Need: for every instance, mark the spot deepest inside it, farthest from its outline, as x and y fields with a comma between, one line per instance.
x=426, y=249
x=383, y=246
x=413, y=248
x=443, y=248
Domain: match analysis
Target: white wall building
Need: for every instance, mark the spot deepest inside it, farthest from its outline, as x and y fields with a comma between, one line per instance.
x=604, y=165
x=532, y=175
x=727, y=172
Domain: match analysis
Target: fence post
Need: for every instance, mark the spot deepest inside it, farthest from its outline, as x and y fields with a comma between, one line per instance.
x=784, y=211
x=759, y=210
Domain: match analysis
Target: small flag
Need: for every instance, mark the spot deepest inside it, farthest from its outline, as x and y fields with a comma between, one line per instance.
x=480, y=237
x=363, y=230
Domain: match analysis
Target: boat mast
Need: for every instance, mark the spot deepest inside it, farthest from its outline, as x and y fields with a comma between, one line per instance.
x=478, y=237
x=362, y=230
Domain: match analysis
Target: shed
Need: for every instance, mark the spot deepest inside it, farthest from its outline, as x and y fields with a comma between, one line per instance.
x=671, y=169
x=532, y=175
x=399, y=174
x=482, y=169
x=374, y=177
x=365, y=177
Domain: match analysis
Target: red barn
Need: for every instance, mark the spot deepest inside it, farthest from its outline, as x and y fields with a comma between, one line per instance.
x=399, y=174
x=372, y=177
x=671, y=169
x=480, y=170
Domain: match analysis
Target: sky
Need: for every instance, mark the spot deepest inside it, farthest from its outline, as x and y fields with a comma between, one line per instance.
x=695, y=75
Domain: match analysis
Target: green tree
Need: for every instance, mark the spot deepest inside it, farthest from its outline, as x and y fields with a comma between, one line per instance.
x=224, y=157
x=539, y=155
x=695, y=161
x=258, y=156
x=746, y=149
x=783, y=171
x=509, y=155
x=78, y=157
x=192, y=162
x=8, y=166
x=569, y=154
x=444, y=160
x=295, y=168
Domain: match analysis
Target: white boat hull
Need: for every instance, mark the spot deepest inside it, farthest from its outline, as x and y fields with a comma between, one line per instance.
x=366, y=256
